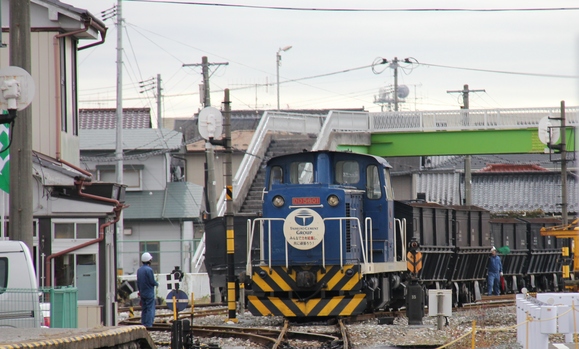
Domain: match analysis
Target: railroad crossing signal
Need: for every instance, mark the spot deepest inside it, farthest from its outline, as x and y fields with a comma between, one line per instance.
x=414, y=261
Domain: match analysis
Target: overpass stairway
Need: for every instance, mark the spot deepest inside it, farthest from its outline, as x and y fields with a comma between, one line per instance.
x=279, y=145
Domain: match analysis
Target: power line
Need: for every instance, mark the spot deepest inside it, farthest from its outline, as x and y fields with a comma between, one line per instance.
x=318, y=9
x=501, y=71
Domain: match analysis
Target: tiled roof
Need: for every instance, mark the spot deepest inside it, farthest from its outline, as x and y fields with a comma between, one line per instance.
x=107, y=118
x=180, y=200
x=501, y=168
x=481, y=161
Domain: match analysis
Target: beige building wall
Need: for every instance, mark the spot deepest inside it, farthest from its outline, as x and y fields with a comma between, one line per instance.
x=47, y=136
x=195, y=158
x=195, y=171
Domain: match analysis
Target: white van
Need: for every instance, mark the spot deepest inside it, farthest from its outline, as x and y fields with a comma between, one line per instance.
x=19, y=297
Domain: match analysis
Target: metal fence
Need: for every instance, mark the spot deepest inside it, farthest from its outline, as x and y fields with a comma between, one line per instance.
x=20, y=308
x=167, y=253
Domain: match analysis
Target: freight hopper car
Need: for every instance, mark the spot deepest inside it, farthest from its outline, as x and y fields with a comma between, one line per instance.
x=454, y=242
x=329, y=244
x=529, y=260
x=215, y=257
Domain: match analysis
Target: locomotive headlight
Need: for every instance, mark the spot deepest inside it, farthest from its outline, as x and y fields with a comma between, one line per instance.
x=278, y=201
x=333, y=200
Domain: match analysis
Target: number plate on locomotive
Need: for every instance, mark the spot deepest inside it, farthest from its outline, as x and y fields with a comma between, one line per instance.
x=306, y=201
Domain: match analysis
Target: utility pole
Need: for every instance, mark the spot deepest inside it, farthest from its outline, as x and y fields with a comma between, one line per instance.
x=119, y=141
x=467, y=161
x=564, y=166
x=210, y=183
x=562, y=147
x=159, y=116
x=148, y=85
x=21, y=149
x=394, y=65
x=229, y=218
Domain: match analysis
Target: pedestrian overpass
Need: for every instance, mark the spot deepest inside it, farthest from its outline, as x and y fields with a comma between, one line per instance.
x=460, y=132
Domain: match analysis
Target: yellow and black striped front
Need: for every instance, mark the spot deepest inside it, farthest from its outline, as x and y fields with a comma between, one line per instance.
x=282, y=279
x=333, y=306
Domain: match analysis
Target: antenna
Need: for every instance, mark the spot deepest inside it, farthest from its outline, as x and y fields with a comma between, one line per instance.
x=549, y=130
x=210, y=123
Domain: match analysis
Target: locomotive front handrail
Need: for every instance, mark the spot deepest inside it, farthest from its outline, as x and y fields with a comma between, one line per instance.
x=402, y=224
x=368, y=226
x=248, y=268
x=306, y=206
x=364, y=256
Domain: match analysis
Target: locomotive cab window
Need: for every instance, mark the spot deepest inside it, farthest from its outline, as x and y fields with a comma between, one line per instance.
x=301, y=173
x=347, y=172
x=374, y=189
x=388, y=185
x=275, y=176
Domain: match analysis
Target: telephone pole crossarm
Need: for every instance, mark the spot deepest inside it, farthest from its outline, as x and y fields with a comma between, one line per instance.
x=205, y=65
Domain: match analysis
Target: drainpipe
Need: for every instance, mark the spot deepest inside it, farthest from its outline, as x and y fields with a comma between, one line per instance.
x=117, y=211
x=102, y=30
x=84, y=172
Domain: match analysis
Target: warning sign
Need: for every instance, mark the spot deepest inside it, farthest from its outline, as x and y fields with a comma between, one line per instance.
x=414, y=261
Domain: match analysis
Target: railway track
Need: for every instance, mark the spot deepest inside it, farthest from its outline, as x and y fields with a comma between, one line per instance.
x=288, y=335
x=266, y=337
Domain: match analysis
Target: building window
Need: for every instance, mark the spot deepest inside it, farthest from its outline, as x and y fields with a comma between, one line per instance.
x=78, y=268
x=74, y=90
x=132, y=176
x=3, y=272
x=63, y=83
x=80, y=271
x=153, y=247
x=75, y=230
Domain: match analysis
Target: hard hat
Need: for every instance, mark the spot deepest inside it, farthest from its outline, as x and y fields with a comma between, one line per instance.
x=146, y=257
x=493, y=249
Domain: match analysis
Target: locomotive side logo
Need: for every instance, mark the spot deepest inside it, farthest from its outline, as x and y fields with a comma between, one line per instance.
x=304, y=229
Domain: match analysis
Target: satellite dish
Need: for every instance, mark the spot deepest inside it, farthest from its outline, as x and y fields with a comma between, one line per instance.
x=549, y=130
x=403, y=91
x=210, y=123
x=17, y=88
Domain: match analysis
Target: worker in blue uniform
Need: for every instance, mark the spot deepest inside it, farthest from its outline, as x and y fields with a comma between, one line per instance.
x=495, y=271
x=146, y=284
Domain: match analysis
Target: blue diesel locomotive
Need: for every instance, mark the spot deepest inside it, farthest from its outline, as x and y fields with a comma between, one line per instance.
x=327, y=242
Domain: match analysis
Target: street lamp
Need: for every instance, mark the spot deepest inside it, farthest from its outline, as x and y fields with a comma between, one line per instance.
x=277, y=64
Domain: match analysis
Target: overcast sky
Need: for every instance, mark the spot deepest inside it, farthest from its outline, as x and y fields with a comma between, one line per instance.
x=521, y=59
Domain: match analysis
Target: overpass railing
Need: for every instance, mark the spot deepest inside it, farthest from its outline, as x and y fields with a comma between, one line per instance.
x=440, y=120
x=471, y=119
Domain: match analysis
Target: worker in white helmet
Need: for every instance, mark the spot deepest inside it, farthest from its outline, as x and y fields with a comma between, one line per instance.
x=495, y=271
x=146, y=284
